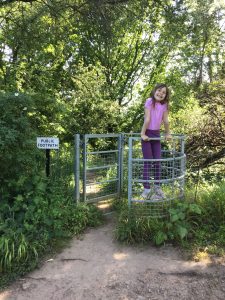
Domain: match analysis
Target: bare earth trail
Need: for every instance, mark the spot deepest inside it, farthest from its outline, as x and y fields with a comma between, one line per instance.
x=97, y=267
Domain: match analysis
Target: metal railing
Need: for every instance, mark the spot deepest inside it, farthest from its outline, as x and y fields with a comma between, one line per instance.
x=171, y=167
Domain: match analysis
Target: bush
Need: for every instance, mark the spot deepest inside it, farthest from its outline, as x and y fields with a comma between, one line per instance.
x=19, y=154
x=34, y=221
x=135, y=226
x=35, y=211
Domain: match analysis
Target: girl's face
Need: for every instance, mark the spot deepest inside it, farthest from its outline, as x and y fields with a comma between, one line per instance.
x=160, y=94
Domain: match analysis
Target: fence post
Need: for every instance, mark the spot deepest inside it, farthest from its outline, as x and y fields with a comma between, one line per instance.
x=130, y=171
x=120, y=164
x=77, y=166
x=85, y=139
x=183, y=163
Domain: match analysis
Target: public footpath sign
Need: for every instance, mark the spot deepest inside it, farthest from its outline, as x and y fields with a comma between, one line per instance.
x=47, y=143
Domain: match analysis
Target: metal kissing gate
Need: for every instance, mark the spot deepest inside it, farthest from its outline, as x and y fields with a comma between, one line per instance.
x=106, y=165
x=164, y=176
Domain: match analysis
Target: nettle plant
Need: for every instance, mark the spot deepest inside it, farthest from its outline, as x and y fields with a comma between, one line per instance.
x=182, y=222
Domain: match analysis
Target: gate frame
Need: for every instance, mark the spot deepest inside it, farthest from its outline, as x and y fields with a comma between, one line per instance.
x=82, y=144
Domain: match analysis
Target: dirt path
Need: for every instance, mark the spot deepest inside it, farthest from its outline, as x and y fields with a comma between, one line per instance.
x=96, y=267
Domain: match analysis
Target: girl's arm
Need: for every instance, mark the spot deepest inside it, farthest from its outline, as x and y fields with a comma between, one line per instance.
x=145, y=125
x=166, y=125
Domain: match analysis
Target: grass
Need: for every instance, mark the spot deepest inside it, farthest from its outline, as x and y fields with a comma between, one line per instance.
x=196, y=224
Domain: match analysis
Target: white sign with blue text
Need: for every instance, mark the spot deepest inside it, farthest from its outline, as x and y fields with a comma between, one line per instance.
x=47, y=143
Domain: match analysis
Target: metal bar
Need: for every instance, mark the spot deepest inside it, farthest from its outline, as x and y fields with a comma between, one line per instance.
x=183, y=166
x=133, y=134
x=174, y=136
x=154, y=202
x=77, y=166
x=101, y=152
x=173, y=166
x=160, y=159
x=183, y=161
x=84, y=167
x=119, y=167
x=101, y=167
x=158, y=180
x=130, y=172
x=121, y=158
x=108, y=135
x=101, y=182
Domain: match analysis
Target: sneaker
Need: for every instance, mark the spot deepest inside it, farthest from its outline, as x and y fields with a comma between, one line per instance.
x=155, y=198
x=145, y=194
x=158, y=195
x=159, y=192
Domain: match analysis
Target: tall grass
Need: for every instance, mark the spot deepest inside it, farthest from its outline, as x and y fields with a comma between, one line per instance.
x=198, y=221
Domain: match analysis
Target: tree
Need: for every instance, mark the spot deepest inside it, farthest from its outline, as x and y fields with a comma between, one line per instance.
x=206, y=147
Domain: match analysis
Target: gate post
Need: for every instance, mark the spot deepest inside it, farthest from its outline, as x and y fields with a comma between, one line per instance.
x=77, y=166
x=120, y=164
x=183, y=162
x=84, y=152
x=130, y=162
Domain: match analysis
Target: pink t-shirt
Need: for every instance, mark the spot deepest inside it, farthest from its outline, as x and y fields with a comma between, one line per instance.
x=156, y=113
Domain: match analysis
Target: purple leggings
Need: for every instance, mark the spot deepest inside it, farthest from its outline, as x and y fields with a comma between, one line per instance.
x=151, y=150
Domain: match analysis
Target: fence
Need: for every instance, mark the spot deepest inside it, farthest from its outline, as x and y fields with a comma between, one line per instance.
x=102, y=162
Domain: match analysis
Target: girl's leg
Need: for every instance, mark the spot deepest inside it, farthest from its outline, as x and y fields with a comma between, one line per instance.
x=156, y=149
x=147, y=154
x=156, y=152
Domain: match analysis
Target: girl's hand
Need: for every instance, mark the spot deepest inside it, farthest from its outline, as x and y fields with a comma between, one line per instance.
x=145, y=138
x=168, y=136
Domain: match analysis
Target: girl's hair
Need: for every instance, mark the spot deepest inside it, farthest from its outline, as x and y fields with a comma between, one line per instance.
x=160, y=86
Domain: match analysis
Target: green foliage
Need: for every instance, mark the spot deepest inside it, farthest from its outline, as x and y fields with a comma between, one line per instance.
x=17, y=136
x=198, y=226
x=22, y=119
x=35, y=211
x=212, y=202
x=210, y=236
x=132, y=228
x=213, y=205
x=136, y=227
x=35, y=220
x=89, y=66
x=184, y=218
x=88, y=108
x=35, y=217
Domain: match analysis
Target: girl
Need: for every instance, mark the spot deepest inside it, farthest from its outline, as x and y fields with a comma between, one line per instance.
x=156, y=112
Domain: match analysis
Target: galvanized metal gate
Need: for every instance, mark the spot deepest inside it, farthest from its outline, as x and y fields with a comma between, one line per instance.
x=98, y=167
x=170, y=182
x=102, y=162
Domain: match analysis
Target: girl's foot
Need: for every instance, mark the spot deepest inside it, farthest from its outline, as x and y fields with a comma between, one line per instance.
x=158, y=194
x=145, y=194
